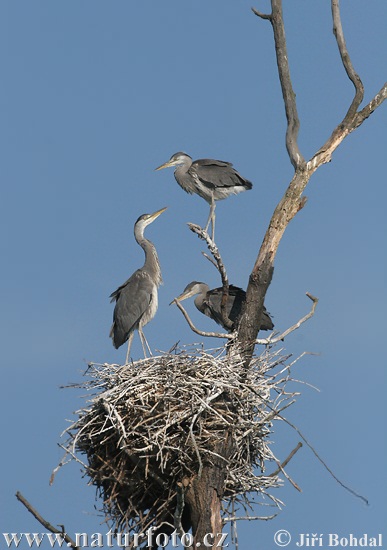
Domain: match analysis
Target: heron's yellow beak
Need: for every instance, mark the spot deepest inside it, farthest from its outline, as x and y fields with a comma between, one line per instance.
x=157, y=214
x=182, y=297
x=165, y=165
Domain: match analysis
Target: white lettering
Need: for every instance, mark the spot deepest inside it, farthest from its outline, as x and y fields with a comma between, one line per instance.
x=165, y=538
x=12, y=538
x=186, y=540
x=223, y=537
x=32, y=538
x=56, y=538
x=82, y=540
x=97, y=540
x=333, y=539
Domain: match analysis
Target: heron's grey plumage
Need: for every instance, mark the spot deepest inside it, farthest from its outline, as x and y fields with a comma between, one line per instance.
x=137, y=298
x=209, y=302
x=211, y=179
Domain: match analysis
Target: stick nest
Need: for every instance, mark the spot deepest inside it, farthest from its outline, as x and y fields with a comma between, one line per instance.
x=151, y=425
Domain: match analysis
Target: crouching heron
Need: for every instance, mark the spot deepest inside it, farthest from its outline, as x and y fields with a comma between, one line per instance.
x=213, y=180
x=209, y=302
x=137, y=299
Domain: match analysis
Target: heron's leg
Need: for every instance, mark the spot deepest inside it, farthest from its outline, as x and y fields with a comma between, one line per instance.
x=211, y=218
x=144, y=342
x=129, y=344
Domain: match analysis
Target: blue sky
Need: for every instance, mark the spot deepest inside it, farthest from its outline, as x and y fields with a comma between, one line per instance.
x=95, y=95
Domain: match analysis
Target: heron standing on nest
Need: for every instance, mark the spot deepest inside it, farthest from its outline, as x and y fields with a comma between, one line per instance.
x=209, y=303
x=137, y=299
x=213, y=180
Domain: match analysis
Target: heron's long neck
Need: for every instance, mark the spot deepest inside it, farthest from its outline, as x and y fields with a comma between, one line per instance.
x=151, y=263
x=183, y=178
x=199, y=300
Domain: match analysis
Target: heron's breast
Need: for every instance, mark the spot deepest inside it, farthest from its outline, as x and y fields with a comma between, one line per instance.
x=151, y=310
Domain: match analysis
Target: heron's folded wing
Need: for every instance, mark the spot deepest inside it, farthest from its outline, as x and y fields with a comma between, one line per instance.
x=216, y=173
x=132, y=300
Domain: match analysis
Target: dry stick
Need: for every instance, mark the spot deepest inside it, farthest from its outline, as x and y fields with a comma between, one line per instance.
x=291, y=481
x=261, y=341
x=287, y=460
x=212, y=248
x=201, y=332
x=250, y=518
x=45, y=523
x=202, y=234
x=312, y=449
x=322, y=462
x=293, y=327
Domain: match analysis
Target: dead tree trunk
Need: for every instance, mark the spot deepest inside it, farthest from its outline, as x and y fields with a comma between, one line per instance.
x=204, y=498
x=206, y=492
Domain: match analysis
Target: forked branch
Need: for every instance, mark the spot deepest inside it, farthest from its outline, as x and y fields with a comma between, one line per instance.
x=293, y=201
x=261, y=341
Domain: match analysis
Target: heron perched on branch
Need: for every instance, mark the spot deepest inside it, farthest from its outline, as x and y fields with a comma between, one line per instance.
x=209, y=302
x=213, y=180
x=136, y=299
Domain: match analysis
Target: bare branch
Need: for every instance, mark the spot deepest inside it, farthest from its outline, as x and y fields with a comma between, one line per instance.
x=324, y=154
x=322, y=461
x=45, y=523
x=352, y=75
x=276, y=19
x=250, y=518
x=212, y=248
x=291, y=481
x=287, y=460
x=202, y=234
x=210, y=259
x=261, y=15
x=370, y=108
x=293, y=327
x=201, y=332
x=260, y=341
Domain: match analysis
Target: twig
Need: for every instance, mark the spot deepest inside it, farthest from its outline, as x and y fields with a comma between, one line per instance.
x=293, y=327
x=259, y=341
x=212, y=248
x=262, y=15
x=210, y=259
x=201, y=332
x=45, y=523
x=287, y=460
x=291, y=481
x=249, y=518
x=202, y=234
x=322, y=461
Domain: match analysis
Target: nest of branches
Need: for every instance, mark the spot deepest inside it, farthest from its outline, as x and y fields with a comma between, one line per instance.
x=151, y=425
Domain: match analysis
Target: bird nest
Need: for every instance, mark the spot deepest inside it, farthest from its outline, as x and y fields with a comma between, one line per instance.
x=151, y=425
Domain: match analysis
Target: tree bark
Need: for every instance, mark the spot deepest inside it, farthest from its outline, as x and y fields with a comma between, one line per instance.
x=204, y=497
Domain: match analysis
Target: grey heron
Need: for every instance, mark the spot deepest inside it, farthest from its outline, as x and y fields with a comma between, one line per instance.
x=137, y=299
x=213, y=180
x=209, y=301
